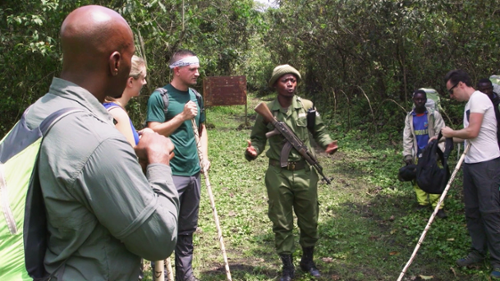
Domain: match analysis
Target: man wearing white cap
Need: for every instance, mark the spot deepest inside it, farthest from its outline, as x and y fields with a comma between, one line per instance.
x=292, y=188
x=174, y=120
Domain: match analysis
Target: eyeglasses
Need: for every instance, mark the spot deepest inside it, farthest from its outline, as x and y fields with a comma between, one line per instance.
x=451, y=89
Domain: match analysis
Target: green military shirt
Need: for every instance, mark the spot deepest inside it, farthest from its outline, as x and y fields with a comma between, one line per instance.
x=185, y=162
x=296, y=118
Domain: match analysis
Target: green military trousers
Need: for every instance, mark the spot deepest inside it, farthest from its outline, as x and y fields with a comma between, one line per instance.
x=297, y=190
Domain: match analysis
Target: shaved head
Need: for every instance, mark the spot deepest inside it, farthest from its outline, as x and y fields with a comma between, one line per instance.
x=97, y=45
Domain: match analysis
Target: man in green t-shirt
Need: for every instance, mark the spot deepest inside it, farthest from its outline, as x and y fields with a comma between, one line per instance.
x=175, y=122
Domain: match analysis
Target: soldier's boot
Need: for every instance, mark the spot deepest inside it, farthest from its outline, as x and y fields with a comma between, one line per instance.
x=307, y=263
x=288, y=268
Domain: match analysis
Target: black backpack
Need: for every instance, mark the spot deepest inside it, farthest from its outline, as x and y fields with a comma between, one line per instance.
x=433, y=172
x=407, y=173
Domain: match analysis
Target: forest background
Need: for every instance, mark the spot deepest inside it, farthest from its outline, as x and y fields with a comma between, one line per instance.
x=360, y=61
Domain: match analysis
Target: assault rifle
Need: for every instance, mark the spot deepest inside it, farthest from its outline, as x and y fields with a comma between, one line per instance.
x=291, y=141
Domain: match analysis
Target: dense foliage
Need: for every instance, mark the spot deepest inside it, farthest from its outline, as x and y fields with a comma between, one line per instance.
x=365, y=56
x=221, y=32
x=360, y=59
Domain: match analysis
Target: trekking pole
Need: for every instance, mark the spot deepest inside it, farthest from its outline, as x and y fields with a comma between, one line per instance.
x=431, y=219
x=211, y=196
x=158, y=274
x=170, y=273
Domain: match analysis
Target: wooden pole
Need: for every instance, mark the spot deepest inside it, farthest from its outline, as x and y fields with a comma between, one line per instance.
x=158, y=274
x=431, y=219
x=170, y=273
x=212, y=201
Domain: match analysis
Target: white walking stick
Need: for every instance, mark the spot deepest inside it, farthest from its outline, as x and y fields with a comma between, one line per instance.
x=211, y=196
x=441, y=199
x=170, y=273
x=159, y=275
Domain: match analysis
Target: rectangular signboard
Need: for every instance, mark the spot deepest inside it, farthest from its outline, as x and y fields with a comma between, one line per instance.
x=225, y=90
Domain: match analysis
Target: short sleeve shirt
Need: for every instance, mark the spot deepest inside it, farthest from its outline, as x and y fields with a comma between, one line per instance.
x=185, y=161
x=484, y=147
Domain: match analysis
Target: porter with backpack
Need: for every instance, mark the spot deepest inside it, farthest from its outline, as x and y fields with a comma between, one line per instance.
x=421, y=124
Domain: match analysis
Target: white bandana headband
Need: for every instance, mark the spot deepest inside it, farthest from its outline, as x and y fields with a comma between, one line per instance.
x=185, y=61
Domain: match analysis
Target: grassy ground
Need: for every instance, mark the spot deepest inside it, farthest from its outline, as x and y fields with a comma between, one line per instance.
x=368, y=222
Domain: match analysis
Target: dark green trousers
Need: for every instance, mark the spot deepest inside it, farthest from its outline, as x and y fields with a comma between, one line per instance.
x=293, y=191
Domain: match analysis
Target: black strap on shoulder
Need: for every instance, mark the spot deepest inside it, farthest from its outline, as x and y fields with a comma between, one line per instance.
x=35, y=232
x=21, y=136
x=199, y=99
x=164, y=96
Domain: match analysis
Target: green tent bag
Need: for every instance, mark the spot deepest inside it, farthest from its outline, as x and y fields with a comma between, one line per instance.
x=495, y=80
x=433, y=99
x=19, y=151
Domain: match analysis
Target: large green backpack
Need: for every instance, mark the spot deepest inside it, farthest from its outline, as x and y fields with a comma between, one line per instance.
x=433, y=99
x=19, y=151
x=495, y=80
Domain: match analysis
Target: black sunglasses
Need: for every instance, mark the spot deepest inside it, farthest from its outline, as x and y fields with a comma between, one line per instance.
x=451, y=89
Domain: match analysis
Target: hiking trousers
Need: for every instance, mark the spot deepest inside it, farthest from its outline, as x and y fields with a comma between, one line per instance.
x=189, y=198
x=482, y=207
x=189, y=189
x=289, y=191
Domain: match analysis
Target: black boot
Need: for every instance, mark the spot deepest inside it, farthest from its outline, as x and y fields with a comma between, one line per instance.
x=288, y=268
x=307, y=263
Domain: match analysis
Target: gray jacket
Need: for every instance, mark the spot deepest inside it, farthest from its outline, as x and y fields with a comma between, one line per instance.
x=436, y=123
x=103, y=213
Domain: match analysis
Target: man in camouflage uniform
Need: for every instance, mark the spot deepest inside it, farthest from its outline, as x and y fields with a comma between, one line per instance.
x=295, y=186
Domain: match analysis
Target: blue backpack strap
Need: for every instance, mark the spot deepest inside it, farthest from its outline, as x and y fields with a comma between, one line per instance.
x=110, y=106
x=35, y=233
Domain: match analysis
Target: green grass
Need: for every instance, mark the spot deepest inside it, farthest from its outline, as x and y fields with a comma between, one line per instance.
x=368, y=223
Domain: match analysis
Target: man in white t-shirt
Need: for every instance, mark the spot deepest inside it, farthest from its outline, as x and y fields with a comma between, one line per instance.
x=481, y=170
